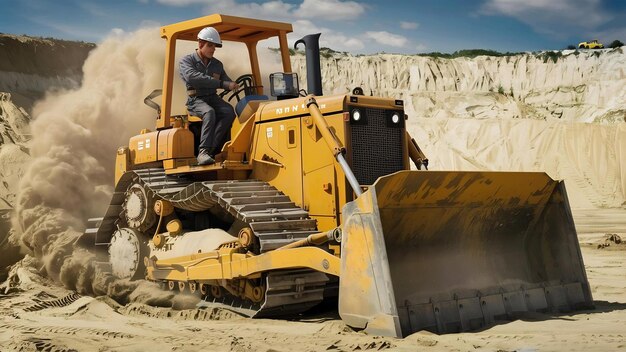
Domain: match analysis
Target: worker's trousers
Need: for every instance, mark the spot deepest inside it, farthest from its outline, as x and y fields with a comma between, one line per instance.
x=217, y=119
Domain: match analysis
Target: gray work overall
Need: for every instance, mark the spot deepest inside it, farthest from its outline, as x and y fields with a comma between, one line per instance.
x=217, y=115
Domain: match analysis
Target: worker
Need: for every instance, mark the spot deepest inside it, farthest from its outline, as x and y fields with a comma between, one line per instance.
x=203, y=75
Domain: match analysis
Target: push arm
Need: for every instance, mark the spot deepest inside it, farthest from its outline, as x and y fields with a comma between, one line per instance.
x=415, y=153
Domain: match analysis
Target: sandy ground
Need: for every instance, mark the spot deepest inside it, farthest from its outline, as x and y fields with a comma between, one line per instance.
x=41, y=316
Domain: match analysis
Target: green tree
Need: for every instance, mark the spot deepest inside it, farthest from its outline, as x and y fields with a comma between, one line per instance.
x=616, y=44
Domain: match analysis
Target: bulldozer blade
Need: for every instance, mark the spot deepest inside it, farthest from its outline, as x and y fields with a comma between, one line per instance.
x=458, y=251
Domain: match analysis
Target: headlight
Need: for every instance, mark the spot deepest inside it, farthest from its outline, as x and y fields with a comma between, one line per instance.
x=356, y=115
x=394, y=118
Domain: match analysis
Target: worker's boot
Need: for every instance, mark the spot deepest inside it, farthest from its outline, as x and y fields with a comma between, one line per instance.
x=204, y=158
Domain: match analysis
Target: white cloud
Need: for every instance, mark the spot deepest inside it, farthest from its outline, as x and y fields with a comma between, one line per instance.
x=421, y=47
x=90, y=34
x=304, y=13
x=386, y=38
x=555, y=17
x=149, y=24
x=409, y=25
x=118, y=32
x=93, y=9
x=330, y=9
x=181, y=2
x=329, y=38
x=275, y=10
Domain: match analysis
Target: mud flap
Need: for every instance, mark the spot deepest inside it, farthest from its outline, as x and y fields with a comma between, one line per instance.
x=457, y=251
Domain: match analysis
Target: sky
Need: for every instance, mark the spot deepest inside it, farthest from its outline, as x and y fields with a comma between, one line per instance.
x=359, y=27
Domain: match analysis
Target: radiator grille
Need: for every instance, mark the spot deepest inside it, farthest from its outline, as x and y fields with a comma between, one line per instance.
x=376, y=149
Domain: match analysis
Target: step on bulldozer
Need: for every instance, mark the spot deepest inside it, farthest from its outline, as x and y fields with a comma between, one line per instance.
x=313, y=199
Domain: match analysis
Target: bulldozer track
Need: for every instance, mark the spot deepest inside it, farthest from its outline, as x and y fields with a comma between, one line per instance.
x=66, y=331
x=46, y=345
x=271, y=215
x=209, y=314
x=61, y=302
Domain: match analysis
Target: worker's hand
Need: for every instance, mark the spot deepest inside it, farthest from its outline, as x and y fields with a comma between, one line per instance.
x=233, y=86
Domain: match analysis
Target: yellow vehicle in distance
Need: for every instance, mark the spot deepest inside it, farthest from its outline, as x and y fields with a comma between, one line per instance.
x=592, y=44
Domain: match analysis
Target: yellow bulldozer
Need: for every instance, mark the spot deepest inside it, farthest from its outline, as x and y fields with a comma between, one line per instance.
x=313, y=199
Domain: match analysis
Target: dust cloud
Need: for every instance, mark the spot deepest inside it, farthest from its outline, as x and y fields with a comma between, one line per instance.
x=75, y=135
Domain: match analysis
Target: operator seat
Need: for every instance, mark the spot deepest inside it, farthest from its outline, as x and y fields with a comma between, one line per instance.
x=240, y=108
x=244, y=109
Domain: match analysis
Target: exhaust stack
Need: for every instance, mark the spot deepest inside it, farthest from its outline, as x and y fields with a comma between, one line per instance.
x=313, y=72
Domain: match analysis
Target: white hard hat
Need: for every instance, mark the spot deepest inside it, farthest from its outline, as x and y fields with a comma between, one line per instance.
x=210, y=34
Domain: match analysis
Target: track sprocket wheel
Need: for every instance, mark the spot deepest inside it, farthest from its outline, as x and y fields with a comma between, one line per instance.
x=138, y=208
x=127, y=249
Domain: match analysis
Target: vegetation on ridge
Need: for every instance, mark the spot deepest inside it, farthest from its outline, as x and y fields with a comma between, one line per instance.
x=47, y=39
x=547, y=55
x=470, y=53
x=616, y=44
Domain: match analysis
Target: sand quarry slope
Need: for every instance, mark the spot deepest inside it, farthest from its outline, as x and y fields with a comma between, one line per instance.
x=525, y=112
x=14, y=158
x=33, y=66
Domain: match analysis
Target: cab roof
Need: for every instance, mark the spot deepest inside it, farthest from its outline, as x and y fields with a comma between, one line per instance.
x=231, y=28
x=238, y=29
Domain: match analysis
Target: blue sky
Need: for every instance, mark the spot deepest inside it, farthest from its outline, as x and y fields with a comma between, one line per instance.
x=360, y=26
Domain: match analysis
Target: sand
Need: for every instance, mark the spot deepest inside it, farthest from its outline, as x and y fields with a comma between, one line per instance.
x=36, y=315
